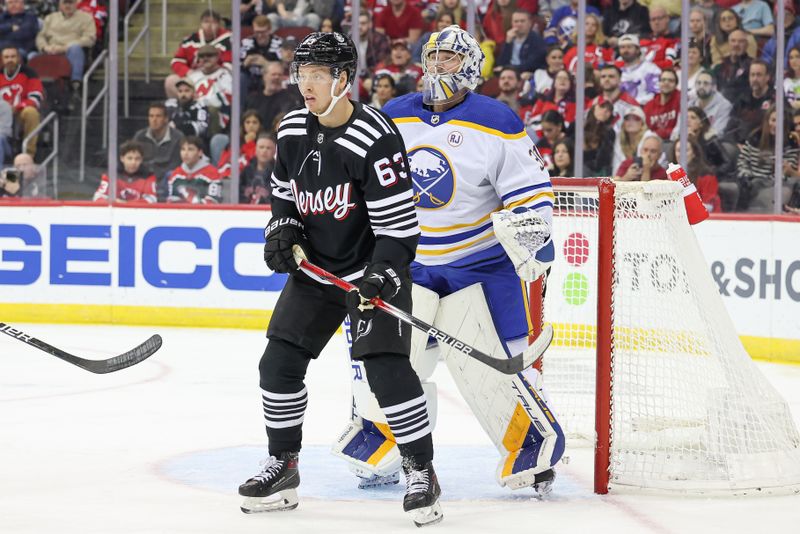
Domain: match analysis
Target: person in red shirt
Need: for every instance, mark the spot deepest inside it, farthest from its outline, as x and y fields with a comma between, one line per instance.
x=251, y=127
x=660, y=47
x=597, y=53
x=22, y=89
x=134, y=182
x=699, y=173
x=186, y=61
x=610, y=78
x=662, y=111
x=644, y=167
x=405, y=73
x=400, y=20
x=99, y=13
x=560, y=98
x=196, y=180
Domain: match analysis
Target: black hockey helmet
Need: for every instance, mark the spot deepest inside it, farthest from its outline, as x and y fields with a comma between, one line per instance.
x=335, y=50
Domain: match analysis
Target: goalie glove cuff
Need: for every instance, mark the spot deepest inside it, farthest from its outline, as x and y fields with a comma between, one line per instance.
x=522, y=235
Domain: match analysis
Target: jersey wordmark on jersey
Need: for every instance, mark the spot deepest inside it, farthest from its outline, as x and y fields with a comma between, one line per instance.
x=350, y=187
x=466, y=163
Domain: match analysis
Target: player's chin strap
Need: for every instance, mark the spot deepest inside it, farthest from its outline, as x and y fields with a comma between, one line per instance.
x=334, y=97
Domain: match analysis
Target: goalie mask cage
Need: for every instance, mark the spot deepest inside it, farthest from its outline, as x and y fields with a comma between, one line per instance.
x=645, y=357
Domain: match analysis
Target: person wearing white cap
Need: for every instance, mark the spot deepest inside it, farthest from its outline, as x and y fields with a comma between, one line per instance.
x=639, y=76
x=629, y=139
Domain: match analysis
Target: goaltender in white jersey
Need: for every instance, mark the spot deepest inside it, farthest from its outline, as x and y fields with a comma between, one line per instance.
x=484, y=202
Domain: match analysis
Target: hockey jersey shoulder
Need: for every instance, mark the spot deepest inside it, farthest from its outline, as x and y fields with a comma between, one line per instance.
x=489, y=113
x=403, y=106
x=294, y=123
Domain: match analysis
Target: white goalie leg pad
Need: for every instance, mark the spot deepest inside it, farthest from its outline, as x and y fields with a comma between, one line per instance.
x=423, y=359
x=511, y=411
x=366, y=443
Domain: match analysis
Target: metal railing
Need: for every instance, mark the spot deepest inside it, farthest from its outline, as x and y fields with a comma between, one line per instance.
x=128, y=49
x=163, y=27
x=86, y=110
x=51, y=117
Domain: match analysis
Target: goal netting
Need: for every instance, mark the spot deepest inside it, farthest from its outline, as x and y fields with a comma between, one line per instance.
x=645, y=356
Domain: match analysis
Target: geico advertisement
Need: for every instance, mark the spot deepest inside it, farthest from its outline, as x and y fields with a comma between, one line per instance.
x=136, y=257
x=213, y=259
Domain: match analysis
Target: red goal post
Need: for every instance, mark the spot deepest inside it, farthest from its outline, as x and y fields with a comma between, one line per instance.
x=646, y=364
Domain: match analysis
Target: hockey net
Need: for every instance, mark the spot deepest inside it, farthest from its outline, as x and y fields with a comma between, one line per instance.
x=661, y=378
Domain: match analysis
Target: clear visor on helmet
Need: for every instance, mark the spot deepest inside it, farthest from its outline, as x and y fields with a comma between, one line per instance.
x=443, y=81
x=313, y=76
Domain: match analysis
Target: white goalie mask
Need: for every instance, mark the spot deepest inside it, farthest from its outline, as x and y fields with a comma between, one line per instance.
x=446, y=76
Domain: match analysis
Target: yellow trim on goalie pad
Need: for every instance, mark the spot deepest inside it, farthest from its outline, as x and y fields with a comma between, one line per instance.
x=385, y=447
x=517, y=429
x=385, y=430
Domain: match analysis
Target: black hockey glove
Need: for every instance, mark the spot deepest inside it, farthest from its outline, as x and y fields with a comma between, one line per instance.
x=380, y=280
x=281, y=235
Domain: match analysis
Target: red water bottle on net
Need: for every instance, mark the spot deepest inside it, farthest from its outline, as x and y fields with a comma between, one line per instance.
x=695, y=210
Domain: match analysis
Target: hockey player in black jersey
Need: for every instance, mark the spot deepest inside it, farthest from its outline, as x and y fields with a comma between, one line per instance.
x=341, y=193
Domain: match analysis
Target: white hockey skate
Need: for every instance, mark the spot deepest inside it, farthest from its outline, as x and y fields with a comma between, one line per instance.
x=274, y=489
x=422, y=495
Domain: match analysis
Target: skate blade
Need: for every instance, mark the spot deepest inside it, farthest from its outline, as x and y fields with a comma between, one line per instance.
x=379, y=481
x=430, y=515
x=277, y=502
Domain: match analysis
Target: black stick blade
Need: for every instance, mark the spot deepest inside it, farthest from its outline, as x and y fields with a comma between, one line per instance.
x=132, y=357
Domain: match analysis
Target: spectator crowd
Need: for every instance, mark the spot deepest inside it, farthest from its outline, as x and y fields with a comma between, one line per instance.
x=632, y=73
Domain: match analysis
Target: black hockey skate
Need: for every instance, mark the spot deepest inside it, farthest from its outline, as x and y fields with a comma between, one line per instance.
x=543, y=484
x=422, y=495
x=274, y=489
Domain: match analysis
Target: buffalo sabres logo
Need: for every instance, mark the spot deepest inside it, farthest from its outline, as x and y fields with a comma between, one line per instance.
x=363, y=328
x=432, y=176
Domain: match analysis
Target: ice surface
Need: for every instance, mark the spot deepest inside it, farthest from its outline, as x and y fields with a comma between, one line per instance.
x=161, y=448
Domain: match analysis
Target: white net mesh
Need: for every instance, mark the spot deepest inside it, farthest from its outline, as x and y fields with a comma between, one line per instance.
x=690, y=410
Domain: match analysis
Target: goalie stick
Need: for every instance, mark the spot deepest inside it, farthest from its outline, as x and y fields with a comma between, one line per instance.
x=132, y=357
x=509, y=366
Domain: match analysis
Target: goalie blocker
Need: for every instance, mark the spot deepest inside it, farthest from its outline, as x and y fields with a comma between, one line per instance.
x=512, y=410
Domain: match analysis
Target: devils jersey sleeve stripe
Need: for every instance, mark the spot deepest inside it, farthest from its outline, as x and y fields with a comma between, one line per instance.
x=379, y=119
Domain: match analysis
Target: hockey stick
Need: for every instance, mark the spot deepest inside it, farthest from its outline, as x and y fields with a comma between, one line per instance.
x=509, y=366
x=132, y=357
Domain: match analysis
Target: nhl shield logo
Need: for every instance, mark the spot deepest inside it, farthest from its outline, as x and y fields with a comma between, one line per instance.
x=435, y=119
x=363, y=328
x=320, y=138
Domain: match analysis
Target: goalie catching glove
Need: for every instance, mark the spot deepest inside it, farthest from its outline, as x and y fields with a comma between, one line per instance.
x=522, y=236
x=380, y=280
x=281, y=235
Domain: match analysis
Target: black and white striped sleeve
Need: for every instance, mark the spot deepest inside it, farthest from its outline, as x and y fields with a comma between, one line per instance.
x=281, y=195
x=389, y=195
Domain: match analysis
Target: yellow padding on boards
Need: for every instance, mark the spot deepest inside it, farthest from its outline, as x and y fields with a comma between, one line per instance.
x=582, y=336
x=135, y=315
x=567, y=335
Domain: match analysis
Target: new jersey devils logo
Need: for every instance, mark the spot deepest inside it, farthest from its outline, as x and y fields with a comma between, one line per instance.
x=363, y=328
